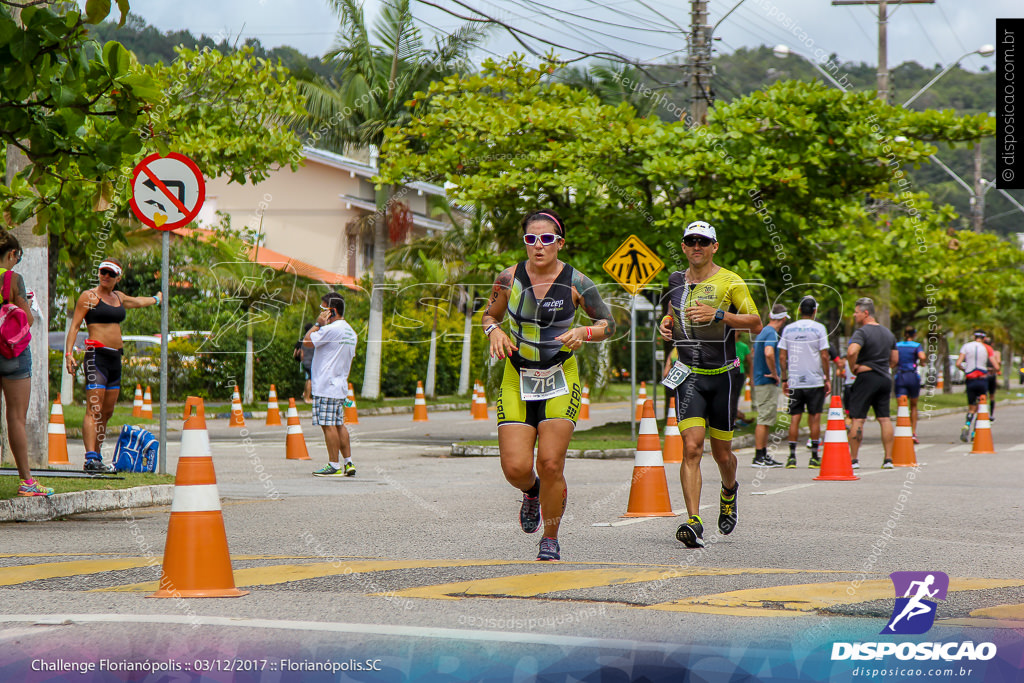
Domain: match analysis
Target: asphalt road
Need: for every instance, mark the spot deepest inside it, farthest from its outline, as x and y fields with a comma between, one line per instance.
x=416, y=567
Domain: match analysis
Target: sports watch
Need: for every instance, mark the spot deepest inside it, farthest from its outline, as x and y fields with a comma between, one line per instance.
x=719, y=314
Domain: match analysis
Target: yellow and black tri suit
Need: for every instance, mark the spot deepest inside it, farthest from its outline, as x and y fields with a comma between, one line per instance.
x=710, y=395
x=535, y=324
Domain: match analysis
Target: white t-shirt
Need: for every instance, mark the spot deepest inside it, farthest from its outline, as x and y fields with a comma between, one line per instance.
x=975, y=357
x=335, y=345
x=804, y=340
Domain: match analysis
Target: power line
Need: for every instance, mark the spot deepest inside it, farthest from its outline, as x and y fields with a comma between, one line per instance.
x=565, y=22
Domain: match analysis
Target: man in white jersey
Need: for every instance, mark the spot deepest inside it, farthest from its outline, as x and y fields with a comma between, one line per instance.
x=804, y=356
x=975, y=360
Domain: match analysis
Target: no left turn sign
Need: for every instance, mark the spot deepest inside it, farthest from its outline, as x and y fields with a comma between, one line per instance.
x=167, y=192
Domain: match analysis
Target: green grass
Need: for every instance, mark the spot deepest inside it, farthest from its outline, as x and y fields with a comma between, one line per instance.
x=9, y=484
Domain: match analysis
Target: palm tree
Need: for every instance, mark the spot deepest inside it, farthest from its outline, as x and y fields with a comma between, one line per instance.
x=377, y=80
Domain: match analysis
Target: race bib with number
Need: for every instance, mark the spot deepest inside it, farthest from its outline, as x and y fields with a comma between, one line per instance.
x=538, y=385
x=676, y=375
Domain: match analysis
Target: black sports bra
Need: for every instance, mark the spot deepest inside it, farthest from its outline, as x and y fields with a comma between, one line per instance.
x=103, y=313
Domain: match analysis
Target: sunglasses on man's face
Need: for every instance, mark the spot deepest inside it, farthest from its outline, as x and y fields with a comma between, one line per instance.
x=693, y=241
x=108, y=272
x=546, y=238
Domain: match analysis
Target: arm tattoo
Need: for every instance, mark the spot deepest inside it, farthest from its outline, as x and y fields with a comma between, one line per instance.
x=503, y=283
x=593, y=304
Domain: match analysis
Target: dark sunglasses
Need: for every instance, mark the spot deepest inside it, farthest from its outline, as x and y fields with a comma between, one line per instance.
x=693, y=241
x=108, y=272
x=546, y=238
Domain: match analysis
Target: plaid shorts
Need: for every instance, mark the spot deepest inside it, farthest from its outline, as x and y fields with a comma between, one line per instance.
x=328, y=412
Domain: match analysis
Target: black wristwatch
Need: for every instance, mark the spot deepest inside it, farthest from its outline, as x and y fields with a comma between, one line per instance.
x=719, y=314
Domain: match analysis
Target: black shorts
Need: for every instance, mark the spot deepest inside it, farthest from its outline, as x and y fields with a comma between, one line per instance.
x=709, y=401
x=870, y=390
x=809, y=398
x=512, y=409
x=993, y=383
x=976, y=388
x=846, y=398
x=102, y=368
x=908, y=384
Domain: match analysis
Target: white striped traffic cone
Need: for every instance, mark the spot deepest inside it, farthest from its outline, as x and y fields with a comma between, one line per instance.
x=648, y=495
x=903, y=444
x=983, y=431
x=137, y=404
x=273, y=410
x=419, y=409
x=641, y=399
x=147, y=404
x=57, y=435
x=481, y=403
x=585, y=404
x=352, y=411
x=295, y=442
x=672, y=453
x=237, y=419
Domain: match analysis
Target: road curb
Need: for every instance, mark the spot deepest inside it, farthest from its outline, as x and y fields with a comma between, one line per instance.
x=44, y=508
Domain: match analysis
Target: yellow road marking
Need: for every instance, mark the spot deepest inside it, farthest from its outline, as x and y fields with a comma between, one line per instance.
x=804, y=598
x=1005, y=612
x=529, y=585
x=10, y=576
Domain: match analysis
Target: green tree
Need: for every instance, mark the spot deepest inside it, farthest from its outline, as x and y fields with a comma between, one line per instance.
x=377, y=80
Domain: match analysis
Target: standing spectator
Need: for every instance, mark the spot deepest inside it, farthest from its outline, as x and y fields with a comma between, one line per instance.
x=908, y=382
x=16, y=373
x=804, y=357
x=335, y=343
x=708, y=306
x=995, y=369
x=870, y=356
x=974, y=360
x=305, y=358
x=766, y=370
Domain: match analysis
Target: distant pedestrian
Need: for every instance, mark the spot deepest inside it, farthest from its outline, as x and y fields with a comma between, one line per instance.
x=870, y=356
x=335, y=343
x=805, y=360
x=908, y=382
x=994, y=370
x=766, y=371
x=974, y=360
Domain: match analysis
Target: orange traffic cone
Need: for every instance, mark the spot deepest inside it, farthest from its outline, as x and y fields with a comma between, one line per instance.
x=648, y=495
x=903, y=445
x=673, y=450
x=746, y=391
x=474, y=405
x=294, y=442
x=352, y=411
x=237, y=419
x=641, y=399
x=137, y=404
x=273, y=410
x=58, y=436
x=835, y=456
x=147, y=404
x=419, y=409
x=983, y=431
x=197, y=563
x=481, y=403
x=939, y=385
x=585, y=404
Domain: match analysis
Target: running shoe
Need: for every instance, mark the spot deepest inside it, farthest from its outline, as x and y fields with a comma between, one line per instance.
x=814, y=463
x=791, y=462
x=95, y=465
x=855, y=463
x=887, y=464
x=31, y=487
x=769, y=461
x=529, y=514
x=727, y=511
x=691, y=534
x=328, y=470
x=965, y=432
x=549, y=550
x=759, y=461
x=914, y=437
x=350, y=469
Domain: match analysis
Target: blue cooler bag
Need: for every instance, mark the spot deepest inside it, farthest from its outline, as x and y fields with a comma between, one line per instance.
x=136, y=451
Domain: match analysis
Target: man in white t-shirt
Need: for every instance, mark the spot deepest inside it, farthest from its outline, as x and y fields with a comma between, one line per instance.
x=334, y=342
x=804, y=357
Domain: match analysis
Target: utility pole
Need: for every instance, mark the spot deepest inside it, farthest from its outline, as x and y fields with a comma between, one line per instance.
x=699, y=62
x=978, y=196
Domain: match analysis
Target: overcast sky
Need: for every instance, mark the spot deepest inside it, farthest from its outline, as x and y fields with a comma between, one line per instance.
x=930, y=34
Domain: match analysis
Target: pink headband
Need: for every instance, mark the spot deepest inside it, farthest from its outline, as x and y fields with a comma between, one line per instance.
x=541, y=213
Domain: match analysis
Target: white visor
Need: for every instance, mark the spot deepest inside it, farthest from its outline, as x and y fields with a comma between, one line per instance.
x=112, y=266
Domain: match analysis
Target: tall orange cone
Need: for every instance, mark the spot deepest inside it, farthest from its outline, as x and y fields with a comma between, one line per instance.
x=746, y=391
x=939, y=385
x=648, y=495
x=641, y=399
x=273, y=410
x=58, y=436
x=672, y=453
x=295, y=442
x=903, y=445
x=474, y=404
x=481, y=403
x=835, y=456
x=147, y=404
x=352, y=411
x=585, y=404
x=419, y=409
x=983, y=431
x=197, y=563
x=237, y=419
x=137, y=404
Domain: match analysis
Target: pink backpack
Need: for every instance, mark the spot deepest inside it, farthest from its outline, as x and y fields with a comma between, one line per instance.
x=14, y=329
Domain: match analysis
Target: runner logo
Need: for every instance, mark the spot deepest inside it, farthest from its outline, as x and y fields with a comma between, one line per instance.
x=913, y=613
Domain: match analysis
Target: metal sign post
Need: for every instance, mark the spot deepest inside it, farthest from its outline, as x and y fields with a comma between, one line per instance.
x=165, y=269
x=632, y=368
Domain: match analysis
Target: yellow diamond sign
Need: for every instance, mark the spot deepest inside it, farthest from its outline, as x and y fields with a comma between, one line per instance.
x=633, y=264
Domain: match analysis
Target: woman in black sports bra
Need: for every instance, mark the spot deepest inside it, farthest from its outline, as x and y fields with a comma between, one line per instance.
x=103, y=311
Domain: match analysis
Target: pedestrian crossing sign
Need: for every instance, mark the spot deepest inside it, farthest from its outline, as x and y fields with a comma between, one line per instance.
x=633, y=264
